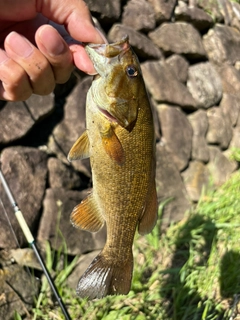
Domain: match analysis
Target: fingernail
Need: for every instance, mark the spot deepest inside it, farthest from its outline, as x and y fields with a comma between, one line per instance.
x=102, y=35
x=19, y=44
x=3, y=57
x=51, y=40
x=92, y=73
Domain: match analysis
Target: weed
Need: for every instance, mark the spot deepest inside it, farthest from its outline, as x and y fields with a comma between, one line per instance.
x=190, y=272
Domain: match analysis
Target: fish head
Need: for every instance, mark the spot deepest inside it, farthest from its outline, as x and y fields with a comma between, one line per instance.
x=119, y=79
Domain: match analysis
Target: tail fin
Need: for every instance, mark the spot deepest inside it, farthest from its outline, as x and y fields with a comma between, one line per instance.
x=105, y=277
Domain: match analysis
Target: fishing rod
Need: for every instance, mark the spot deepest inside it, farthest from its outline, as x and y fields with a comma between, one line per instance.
x=31, y=241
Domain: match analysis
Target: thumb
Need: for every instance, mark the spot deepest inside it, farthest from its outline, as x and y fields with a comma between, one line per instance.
x=74, y=15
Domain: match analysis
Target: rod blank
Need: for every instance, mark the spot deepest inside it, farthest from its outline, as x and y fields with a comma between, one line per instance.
x=30, y=240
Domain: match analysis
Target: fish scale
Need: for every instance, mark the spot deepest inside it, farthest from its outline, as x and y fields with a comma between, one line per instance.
x=120, y=143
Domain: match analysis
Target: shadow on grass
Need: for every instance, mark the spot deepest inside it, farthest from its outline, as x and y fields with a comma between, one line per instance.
x=230, y=274
x=192, y=249
x=230, y=280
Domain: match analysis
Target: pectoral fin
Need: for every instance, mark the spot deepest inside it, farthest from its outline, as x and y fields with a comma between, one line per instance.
x=148, y=218
x=80, y=149
x=112, y=145
x=87, y=215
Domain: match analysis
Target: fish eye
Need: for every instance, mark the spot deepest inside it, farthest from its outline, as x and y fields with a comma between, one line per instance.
x=131, y=71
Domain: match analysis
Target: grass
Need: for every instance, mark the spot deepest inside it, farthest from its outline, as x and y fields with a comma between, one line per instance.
x=190, y=272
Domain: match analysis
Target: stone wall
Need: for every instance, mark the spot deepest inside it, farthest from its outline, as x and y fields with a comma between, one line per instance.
x=190, y=57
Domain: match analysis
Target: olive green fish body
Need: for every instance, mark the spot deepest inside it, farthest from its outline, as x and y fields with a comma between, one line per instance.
x=121, y=147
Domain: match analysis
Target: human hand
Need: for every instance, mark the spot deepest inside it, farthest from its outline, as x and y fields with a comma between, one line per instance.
x=36, y=51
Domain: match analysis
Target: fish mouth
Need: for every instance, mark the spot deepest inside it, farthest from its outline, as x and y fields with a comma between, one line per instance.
x=122, y=122
x=109, y=50
x=105, y=56
x=108, y=115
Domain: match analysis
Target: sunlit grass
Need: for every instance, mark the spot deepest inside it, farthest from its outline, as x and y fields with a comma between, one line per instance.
x=192, y=271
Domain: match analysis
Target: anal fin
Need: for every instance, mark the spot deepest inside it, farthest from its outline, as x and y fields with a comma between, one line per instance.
x=87, y=215
x=80, y=149
x=148, y=218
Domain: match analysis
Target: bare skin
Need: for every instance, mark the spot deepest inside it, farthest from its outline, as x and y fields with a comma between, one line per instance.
x=37, y=49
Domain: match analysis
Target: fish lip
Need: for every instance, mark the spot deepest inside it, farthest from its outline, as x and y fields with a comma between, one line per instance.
x=99, y=48
x=110, y=50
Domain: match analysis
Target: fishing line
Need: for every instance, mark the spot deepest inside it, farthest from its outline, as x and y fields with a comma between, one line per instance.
x=14, y=235
x=9, y=223
x=31, y=241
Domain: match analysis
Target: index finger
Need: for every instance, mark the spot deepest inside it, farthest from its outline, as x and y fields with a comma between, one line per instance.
x=73, y=14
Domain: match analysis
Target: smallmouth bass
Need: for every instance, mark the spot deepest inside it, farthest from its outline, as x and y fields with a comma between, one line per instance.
x=119, y=139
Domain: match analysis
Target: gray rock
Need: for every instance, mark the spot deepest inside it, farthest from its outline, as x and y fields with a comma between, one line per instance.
x=18, y=292
x=230, y=106
x=196, y=177
x=219, y=130
x=163, y=9
x=164, y=86
x=222, y=44
x=237, y=65
x=179, y=66
x=25, y=257
x=236, y=15
x=226, y=10
x=235, y=142
x=231, y=12
x=176, y=133
x=15, y=122
x=179, y=37
x=230, y=77
x=219, y=166
x=72, y=126
x=62, y=175
x=200, y=149
x=139, y=15
x=55, y=225
x=205, y=84
x=212, y=7
x=200, y=19
x=141, y=44
x=5, y=257
x=155, y=119
x=108, y=10
x=40, y=106
x=199, y=123
x=170, y=187
x=232, y=156
x=18, y=118
x=25, y=170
